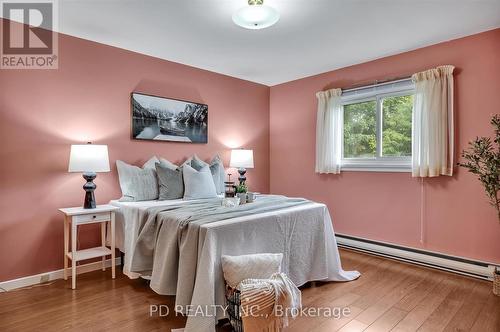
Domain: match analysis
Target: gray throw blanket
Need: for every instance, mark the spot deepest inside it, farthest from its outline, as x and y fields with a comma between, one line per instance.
x=167, y=244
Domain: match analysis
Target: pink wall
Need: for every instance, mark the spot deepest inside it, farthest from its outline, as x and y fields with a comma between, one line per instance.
x=386, y=206
x=43, y=112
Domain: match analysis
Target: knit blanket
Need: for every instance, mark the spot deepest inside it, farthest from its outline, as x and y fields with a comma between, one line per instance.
x=267, y=304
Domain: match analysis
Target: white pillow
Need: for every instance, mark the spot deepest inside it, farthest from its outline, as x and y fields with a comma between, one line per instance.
x=165, y=163
x=138, y=184
x=216, y=167
x=256, y=266
x=151, y=163
x=198, y=184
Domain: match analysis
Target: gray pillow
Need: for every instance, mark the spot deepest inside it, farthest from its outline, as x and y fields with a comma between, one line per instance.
x=170, y=182
x=137, y=184
x=198, y=184
x=218, y=174
x=195, y=163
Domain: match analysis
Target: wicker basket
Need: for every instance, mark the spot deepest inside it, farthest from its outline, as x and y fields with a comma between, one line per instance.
x=233, y=308
x=496, y=282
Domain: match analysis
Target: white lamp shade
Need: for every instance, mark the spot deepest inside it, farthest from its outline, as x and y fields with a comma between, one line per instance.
x=241, y=158
x=89, y=158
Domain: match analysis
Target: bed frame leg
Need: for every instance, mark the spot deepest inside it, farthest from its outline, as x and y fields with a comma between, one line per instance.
x=122, y=260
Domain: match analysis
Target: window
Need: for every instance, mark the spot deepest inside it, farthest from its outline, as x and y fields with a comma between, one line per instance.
x=377, y=127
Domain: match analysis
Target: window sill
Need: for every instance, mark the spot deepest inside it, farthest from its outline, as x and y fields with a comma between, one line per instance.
x=401, y=168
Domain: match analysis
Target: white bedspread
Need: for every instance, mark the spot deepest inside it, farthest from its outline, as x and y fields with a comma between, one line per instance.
x=304, y=234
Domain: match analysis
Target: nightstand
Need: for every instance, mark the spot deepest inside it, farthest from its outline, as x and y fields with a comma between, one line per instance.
x=76, y=216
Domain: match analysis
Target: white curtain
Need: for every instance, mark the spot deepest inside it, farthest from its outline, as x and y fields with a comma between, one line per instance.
x=328, y=131
x=433, y=147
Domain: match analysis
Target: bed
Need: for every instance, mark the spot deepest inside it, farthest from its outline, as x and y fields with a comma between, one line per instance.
x=178, y=245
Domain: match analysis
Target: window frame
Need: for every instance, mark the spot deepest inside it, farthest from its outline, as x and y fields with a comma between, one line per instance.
x=378, y=163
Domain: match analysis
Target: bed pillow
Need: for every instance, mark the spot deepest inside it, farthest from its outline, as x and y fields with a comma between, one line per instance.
x=138, y=184
x=218, y=174
x=195, y=163
x=151, y=162
x=165, y=163
x=170, y=182
x=198, y=184
x=256, y=266
x=216, y=168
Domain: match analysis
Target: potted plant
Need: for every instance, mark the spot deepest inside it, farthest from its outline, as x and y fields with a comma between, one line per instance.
x=483, y=159
x=241, y=192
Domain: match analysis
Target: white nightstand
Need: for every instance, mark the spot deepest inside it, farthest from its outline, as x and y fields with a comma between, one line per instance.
x=79, y=216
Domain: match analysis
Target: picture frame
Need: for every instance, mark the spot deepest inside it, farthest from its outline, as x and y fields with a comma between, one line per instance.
x=155, y=118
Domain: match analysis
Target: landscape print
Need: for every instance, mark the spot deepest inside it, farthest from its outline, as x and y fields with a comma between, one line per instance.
x=163, y=119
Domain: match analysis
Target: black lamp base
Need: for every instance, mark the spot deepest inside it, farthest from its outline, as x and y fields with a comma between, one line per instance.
x=242, y=178
x=89, y=188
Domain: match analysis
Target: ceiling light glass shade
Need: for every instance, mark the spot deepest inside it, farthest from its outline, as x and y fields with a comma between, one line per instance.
x=256, y=17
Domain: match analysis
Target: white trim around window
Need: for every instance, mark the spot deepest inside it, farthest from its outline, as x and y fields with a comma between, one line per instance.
x=376, y=93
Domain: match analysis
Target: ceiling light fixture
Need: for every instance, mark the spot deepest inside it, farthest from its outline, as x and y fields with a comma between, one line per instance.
x=256, y=15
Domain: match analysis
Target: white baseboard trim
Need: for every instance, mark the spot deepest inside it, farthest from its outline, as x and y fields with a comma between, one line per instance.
x=455, y=264
x=53, y=275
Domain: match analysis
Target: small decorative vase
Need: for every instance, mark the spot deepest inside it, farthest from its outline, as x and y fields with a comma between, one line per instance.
x=496, y=282
x=242, y=197
x=230, y=202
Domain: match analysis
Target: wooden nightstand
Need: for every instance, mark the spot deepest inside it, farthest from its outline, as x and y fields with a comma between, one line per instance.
x=79, y=216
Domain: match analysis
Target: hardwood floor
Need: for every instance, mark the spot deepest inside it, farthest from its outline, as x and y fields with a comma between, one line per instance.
x=389, y=296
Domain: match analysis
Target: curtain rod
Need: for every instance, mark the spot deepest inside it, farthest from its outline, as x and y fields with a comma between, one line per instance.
x=365, y=84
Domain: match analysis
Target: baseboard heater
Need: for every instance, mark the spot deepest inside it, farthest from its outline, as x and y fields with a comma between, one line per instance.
x=464, y=266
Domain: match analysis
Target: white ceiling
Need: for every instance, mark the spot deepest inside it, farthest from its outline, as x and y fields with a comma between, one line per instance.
x=312, y=36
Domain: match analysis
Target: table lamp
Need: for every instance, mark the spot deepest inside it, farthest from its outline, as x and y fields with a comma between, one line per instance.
x=89, y=159
x=241, y=159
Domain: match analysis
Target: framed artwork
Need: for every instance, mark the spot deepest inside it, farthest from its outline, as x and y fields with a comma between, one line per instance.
x=164, y=119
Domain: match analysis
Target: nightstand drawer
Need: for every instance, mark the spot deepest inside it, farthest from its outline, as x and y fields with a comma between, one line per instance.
x=92, y=217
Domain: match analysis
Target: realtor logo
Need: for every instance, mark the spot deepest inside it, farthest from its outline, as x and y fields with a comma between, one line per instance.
x=28, y=37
